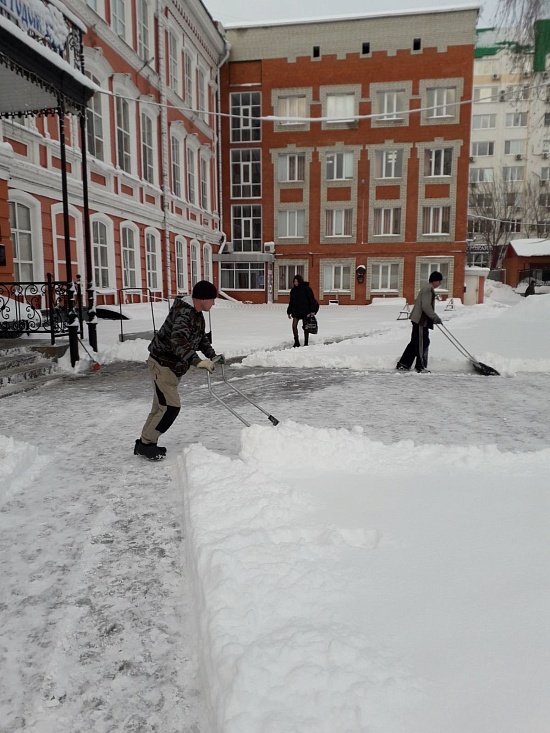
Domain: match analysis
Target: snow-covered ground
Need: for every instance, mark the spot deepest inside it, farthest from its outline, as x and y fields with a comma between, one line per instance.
x=378, y=562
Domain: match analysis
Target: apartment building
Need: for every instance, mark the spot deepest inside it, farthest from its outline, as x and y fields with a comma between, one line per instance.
x=510, y=143
x=151, y=142
x=345, y=154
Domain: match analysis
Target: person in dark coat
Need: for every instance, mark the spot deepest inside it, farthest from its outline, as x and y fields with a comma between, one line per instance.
x=530, y=288
x=173, y=351
x=423, y=317
x=302, y=304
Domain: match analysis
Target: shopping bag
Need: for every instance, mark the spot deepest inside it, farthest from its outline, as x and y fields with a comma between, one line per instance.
x=311, y=325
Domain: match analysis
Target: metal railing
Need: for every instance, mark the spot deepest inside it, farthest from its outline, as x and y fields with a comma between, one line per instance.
x=37, y=307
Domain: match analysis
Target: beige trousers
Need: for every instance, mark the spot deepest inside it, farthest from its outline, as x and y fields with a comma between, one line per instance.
x=166, y=401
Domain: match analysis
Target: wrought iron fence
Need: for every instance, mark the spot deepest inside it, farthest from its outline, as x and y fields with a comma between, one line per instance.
x=36, y=307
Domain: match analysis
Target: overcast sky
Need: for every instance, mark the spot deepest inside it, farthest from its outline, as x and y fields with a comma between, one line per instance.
x=245, y=11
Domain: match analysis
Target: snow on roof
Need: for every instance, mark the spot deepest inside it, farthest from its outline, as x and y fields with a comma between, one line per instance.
x=355, y=16
x=531, y=247
x=47, y=53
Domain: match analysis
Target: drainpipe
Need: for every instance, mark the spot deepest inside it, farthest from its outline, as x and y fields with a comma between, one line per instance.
x=165, y=184
x=218, y=138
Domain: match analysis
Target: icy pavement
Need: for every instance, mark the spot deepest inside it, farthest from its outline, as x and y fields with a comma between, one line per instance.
x=97, y=630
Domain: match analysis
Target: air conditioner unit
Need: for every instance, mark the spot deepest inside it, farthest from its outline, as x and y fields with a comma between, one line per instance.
x=496, y=77
x=472, y=159
x=269, y=248
x=543, y=182
x=526, y=74
x=545, y=156
x=518, y=157
x=545, y=75
x=473, y=184
x=502, y=95
x=229, y=247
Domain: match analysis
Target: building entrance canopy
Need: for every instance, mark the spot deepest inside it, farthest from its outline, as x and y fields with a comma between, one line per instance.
x=38, y=77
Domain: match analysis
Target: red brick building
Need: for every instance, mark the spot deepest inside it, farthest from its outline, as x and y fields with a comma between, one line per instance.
x=345, y=152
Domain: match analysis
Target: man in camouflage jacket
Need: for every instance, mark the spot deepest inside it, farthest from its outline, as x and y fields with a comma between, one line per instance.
x=173, y=351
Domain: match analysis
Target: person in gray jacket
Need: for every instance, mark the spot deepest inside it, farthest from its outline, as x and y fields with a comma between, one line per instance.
x=423, y=317
x=173, y=351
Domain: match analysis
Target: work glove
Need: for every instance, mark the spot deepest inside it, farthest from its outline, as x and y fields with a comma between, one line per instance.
x=437, y=319
x=207, y=364
x=219, y=359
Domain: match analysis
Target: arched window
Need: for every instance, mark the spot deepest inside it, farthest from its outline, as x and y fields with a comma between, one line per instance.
x=195, y=263
x=76, y=242
x=207, y=257
x=21, y=234
x=26, y=234
x=101, y=254
x=129, y=238
x=182, y=283
x=94, y=123
x=148, y=148
x=152, y=251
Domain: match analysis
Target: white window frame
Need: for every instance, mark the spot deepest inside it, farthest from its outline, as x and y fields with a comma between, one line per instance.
x=248, y=221
x=426, y=266
x=437, y=161
x=246, y=126
x=385, y=274
x=124, y=134
x=338, y=223
x=195, y=260
x=390, y=105
x=337, y=276
x=106, y=222
x=76, y=240
x=388, y=163
x=173, y=62
x=130, y=265
x=340, y=164
x=202, y=93
x=512, y=173
x=387, y=221
x=249, y=179
x=207, y=262
x=182, y=274
x=247, y=268
x=148, y=148
x=191, y=169
x=94, y=122
x=143, y=23
x=291, y=224
x=441, y=102
x=483, y=148
x=514, y=147
x=291, y=106
x=484, y=122
x=436, y=219
x=516, y=119
x=176, y=147
x=153, y=260
x=482, y=175
x=291, y=167
x=484, y=95
x=339, y=108
x=289, y=272
x=205, y=183
x=119, y=19
x=188, y=75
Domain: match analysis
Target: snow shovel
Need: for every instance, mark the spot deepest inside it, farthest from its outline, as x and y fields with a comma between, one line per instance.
x=272, y=420
x=479, y=366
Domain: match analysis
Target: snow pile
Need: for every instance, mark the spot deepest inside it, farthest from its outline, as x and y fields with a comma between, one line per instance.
x=346, y=585
x=20, y=464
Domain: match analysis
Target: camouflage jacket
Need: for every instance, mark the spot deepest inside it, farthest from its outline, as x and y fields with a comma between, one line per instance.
x=182, y=334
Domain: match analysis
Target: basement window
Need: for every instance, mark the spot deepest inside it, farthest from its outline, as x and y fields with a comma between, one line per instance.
x=316, y=52
x=417, y=44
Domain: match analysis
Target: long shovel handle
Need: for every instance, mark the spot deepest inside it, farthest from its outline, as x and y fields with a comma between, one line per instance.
x=272, y=420
x=456, y=343
x=219, y=399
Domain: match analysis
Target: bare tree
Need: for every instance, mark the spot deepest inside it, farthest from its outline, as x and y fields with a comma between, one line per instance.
x=521, y=15
x=536, y=207
x=494, y=214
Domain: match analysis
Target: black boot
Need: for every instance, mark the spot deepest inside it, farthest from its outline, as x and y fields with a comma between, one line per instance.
x=151, y=451
x=296, y=341
x=306, y=338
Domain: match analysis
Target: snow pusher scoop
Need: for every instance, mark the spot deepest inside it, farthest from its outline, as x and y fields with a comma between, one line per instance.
x=479, y=366
x=272, y=420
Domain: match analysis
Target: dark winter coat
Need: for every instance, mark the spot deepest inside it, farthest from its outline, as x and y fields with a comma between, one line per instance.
x=423, y=312
x=302, y=301
x=182, y=334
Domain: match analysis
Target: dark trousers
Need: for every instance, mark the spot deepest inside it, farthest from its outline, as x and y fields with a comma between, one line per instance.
x=417, y=348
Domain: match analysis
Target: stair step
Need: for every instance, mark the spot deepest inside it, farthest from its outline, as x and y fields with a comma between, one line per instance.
x=28, y=384
x=25, y=372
